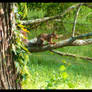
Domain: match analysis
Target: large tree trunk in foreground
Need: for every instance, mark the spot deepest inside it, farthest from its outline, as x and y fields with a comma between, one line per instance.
x=8, y=74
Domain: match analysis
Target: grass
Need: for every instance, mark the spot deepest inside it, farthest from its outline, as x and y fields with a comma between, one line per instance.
x=44, y=70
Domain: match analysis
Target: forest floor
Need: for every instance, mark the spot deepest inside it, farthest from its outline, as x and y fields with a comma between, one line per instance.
x=51, y=71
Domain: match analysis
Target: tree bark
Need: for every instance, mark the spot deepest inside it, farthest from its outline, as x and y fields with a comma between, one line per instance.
x=8, y=75
x=72, y=41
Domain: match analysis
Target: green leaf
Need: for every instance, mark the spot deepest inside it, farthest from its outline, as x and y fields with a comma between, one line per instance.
x=64, y=75
x=62, y=68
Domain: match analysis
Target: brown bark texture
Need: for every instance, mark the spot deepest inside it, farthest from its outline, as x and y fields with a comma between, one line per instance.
x=8, y=75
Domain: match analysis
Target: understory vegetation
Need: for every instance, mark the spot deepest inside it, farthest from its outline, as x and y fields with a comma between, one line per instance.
x=47, y=70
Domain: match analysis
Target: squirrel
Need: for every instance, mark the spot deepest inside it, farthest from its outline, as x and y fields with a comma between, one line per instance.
x=41, y=38
x=46, y=37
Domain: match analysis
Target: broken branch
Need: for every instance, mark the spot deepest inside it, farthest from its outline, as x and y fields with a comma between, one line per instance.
x=26, y=22
x=75, y=20
x=72, y=55
x=72, y=41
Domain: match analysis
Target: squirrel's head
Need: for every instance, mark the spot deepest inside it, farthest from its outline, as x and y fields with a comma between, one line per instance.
x=54, y=35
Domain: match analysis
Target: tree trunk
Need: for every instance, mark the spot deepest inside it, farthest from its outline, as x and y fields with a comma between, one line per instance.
x=8, y=75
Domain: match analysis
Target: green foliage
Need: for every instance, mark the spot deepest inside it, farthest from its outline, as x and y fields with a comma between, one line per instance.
x=34, y=14
x=55, y=79
x=23, y=10
x=40, y=10
x=48, y=70
x=21, y=56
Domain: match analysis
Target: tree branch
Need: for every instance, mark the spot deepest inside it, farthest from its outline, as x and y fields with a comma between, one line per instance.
x=75, y=20
x=26, y=22
x=72, y=41
x=72, y=55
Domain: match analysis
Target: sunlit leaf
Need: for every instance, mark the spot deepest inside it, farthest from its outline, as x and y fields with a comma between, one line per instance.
x=62, y=68
x=20, y=25
x=64, y=75
x=24, y=37
x=25, y=30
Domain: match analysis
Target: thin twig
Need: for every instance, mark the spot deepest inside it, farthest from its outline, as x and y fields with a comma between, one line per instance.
x=75, y=20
